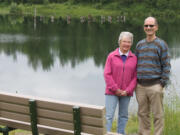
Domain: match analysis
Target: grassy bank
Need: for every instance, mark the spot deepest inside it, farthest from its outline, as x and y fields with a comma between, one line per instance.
x=63, y=10
x=85, y=9
x=172, y=119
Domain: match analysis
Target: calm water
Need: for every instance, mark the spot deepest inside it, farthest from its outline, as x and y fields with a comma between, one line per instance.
x=53, y=59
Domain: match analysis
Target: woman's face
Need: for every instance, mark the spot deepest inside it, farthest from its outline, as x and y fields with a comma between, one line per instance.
x=125, y=44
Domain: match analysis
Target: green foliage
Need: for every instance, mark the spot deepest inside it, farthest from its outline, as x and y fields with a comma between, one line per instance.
x=131, y=8
x=15, y=9
x=132, y=125
x=162, y=4
x=46, y=2
x=98, y=5
x=174, y=4
x=74, y=1
x=125, y=3
x=170, y=14
x=151, y=3
x=57, y=1
x=104, y=1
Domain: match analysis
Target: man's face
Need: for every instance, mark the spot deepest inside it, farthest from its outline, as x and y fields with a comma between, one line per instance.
x=150, y=27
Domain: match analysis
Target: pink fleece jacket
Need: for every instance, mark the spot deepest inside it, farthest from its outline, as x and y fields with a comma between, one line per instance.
x=119, y=75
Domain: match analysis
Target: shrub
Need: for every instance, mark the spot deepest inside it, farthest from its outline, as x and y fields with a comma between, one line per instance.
x=46, y=2
x=14, y=9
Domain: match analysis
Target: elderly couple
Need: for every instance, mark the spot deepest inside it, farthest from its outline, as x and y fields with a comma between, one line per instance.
x=147, y=72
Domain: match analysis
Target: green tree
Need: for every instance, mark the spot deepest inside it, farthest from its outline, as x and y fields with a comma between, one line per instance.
x=174, y=4
x=162, y=4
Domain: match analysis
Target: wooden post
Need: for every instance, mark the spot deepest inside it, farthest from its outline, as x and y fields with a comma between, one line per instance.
x=33, y=115
x=76, y=120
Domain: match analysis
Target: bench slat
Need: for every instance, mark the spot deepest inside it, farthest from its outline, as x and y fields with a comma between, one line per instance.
x=69, y=126
x=97, y=122
x=60, y=106
x=15, y=123
x=54, y=131
x=55, y=115
x=14, y=107
x=55, y=123
x=14, y=98
x=93, y=130
x=15, y=116
x=87, y=120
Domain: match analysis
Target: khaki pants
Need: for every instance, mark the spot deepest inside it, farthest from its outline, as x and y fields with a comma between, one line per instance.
x=150, y=98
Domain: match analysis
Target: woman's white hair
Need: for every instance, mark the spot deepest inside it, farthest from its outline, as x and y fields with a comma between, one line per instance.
x=125, y=34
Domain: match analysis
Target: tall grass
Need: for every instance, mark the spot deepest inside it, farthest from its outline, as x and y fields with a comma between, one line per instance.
x=172, y=121
x=171, y=115
x=172, y=110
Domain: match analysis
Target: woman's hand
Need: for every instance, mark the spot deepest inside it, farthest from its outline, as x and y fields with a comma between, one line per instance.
x=120, y=93
x=124, y=93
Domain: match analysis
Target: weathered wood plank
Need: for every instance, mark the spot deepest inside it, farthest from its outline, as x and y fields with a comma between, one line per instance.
x=86, y=109
x=93, y=130
x=55, y=123
x=14, y=98
x=55, y=115
x=15, y=123
x=15, y=116
x=91, y=121
x=14, y=107
x=61, y=106
x=54, y=131
x=61, y=116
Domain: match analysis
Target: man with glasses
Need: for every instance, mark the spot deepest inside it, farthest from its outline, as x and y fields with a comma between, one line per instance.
x=153, y=71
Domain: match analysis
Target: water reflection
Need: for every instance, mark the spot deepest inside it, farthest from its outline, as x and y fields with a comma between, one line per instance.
x=10, y=38
x=62, y=83
x=65, y=61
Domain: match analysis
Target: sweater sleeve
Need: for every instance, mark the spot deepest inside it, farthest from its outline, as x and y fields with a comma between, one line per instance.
x=165, y=65
x=110, y=83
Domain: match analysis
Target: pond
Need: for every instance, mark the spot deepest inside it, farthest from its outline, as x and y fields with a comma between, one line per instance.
x=65, y=60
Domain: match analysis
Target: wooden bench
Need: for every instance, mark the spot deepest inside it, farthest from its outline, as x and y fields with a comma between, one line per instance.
x=50, y=117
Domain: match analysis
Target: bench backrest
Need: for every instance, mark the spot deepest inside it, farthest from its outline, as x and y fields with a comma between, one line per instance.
x=53, y=117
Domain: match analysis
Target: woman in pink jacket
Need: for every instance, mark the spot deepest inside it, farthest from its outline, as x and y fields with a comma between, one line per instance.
x=120, y=78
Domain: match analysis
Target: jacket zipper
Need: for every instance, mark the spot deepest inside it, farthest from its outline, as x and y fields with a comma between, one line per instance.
x=123, y=74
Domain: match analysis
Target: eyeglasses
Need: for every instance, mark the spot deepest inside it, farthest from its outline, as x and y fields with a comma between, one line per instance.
x=149, y=26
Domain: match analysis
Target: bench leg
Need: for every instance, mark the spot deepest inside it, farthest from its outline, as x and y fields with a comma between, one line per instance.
x=6, y=133
x=33, y=114
x=76, y=120
x=6, y=130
